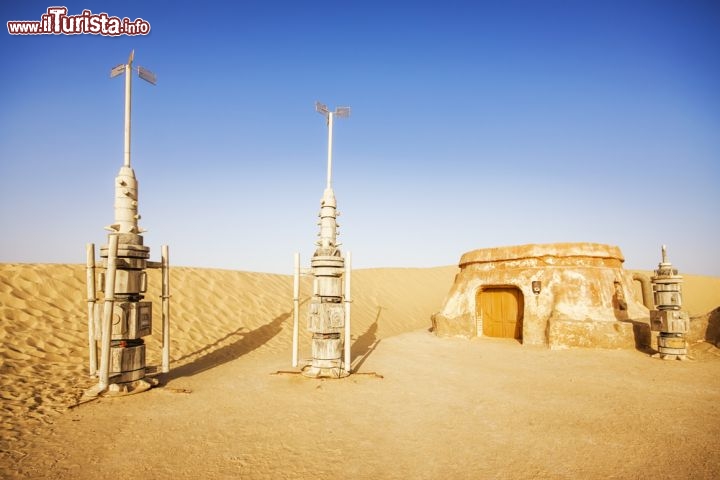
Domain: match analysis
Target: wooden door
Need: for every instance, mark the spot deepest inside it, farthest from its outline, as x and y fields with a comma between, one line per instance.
x=501, y=311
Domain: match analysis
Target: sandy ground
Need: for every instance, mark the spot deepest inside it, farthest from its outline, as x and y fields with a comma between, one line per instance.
x=419, y=406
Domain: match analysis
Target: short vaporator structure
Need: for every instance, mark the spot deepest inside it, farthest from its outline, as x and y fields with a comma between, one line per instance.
x=668, y=318
x=124, y=318
x=328, y=317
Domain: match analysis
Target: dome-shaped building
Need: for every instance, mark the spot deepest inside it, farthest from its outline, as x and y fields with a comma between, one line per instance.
x=560, y=295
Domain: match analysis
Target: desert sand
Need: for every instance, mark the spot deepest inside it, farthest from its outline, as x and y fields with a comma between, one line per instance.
x=419, y=406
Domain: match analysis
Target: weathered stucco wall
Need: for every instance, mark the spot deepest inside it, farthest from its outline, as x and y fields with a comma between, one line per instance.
x=586, y=298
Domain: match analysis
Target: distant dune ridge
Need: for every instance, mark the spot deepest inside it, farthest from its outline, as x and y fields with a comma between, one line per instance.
x=218, y=317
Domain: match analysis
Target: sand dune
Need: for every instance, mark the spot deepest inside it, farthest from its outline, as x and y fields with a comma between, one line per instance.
x=217, y=315
x=231, y=329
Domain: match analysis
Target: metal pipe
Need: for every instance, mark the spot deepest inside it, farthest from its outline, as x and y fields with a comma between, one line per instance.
x=296, y=308
x=128, y=91
x=108, y=313
x=91, y=299
x=329, y=166
x=165, y=264
x=646, y=288
x=348, y=269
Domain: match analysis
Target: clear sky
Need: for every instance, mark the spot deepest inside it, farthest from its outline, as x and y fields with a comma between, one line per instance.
x=474, y=125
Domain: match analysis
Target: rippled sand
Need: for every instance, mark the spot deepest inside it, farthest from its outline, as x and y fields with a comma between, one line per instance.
x=439, y=408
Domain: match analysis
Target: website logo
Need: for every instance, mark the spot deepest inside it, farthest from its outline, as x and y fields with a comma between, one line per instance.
x=57, y=22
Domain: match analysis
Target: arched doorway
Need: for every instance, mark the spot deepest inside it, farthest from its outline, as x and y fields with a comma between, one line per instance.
x=501, y=311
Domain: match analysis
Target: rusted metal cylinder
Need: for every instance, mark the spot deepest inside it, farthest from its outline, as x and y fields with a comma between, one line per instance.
x=326, y=350
x=127, y=362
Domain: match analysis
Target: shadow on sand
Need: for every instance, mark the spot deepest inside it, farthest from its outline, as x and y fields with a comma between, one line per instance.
x=365, y=343
x=245, y=343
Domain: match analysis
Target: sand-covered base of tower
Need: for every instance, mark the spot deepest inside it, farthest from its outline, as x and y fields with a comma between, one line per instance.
x=419, y=406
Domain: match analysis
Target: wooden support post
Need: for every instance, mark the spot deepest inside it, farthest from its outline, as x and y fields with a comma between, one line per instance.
x=108, y=313
x=348, y=269
x=91, y=299
x=165, y=261
x=296, y=308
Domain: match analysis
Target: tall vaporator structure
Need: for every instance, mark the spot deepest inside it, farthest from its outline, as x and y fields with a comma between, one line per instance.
x=328, y=317
x=124, y=318
x=668, y=318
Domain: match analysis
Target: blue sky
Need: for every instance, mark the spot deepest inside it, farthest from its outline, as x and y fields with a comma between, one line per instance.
x=474, y=125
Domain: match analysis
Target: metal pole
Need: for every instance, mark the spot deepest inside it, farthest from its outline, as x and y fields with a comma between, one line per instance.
x=108, y=313
x=91, y=299
x=329, y=166
x=348, y=269
x=128, y=88
x=165, y=261
x=296, y=309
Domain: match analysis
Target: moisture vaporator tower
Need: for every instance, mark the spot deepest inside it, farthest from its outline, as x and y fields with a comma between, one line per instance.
x=328, y=314
x=668, y=318
x=124, y=317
